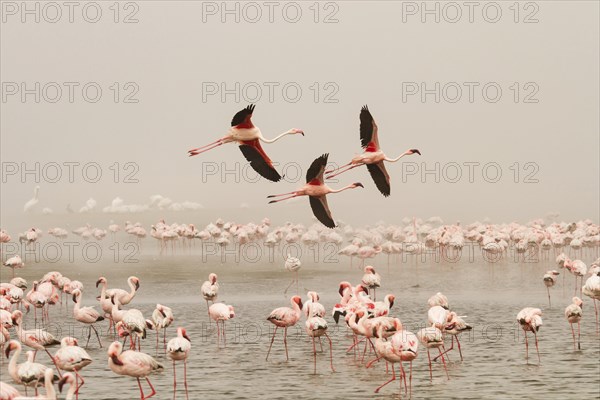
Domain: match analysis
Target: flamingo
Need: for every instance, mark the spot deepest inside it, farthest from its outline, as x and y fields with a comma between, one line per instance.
x=549, y=281
x=70, y=379
x=178, y=349
x=373, y=157
x=33, y=201
x=71, y=357
x=573, y=314
x=162, y=318
x=317, y=190
x=28, y=373
x=312, y=306
x=134, y=322
x=221, y=312
x=7, y=392
x=249, y=137
x=14, y=262
x=37, y=339
x=105, y=301
x=432, y=338
x=133, y=363
x=371, y=279
x=86, y=315
x=454, y=327
x=592, y=290
x=438, y=299
x=293, y=265
x=284, y=317
x=47, y=380
x=316, y=326
x=210, y=290
x=123, y=296
x=530, y=320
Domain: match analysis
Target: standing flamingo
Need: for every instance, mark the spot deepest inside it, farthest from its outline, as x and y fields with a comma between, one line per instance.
x=220, y=312
x=373, y=157
x=210, y=290
x=530, y=320
x=316, y=326
x=549, y=281
x=592, y=290
x=71, y=357
x=133, y=363
x=37, y=339
x=293, y=265
x=432, y=338
x=316, y=190
x=284, y=317
x=249, y=137
x=178, y=349
x=14, y=262
x=371, y=280
x=123, y=296
x=86, y=315
x=573, y=314
x=28, y=207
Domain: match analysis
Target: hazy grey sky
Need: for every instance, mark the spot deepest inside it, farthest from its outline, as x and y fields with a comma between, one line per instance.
x=542, y=130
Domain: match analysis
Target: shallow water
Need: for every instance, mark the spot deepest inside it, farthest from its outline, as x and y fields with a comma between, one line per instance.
x=490, y=295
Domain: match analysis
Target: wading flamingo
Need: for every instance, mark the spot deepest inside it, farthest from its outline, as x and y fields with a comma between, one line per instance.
x=178, y=349
x=573, y=314
x=284, y=317
x=133, y=363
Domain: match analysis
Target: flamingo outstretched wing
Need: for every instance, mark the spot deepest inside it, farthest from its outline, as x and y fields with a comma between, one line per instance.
x=368, y=129
x=242, y=119
x=321, y=210
x=316, y=169
x=259, y=161
x=380, y=177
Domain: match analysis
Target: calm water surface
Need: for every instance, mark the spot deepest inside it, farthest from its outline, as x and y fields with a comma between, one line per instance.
x=490, y=295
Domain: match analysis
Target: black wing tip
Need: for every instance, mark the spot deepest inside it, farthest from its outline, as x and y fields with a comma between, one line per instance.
x=258, y=164
x=251, y=107
x=365, y=108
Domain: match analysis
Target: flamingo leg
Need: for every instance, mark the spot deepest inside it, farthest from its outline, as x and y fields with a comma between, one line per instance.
x=549, y=302
x=287, y=358
x=314, y=355
x=224, y=333
x=370, y=363
x=174, y=380
x=445, y=351
x=444, y=362
x=141, y=390
x=573, y=333
x=330, y=352
x=459, y=350
x=331, y=171
x=151, y=387
x=97, y=336
x=526, y=347
x=271, y=345
x=536, y=346
x=578, y=335
x=206, y=145
x=341, y=172
x=597, y=321
x=206, y=148
x=410, y=381
x=285, y=198
x=391, y=380
x=279, y=195
x=356, y=341
x=54, y=362
x=77, y=376
x=430, y=370
x=185, y=377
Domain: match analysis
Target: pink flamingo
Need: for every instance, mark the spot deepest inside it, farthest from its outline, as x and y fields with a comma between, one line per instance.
x=249, y=137
x=71, y=357
x=573, y=314
x=432, y=338
x=549, y=281
x=284, y=317
x=530, y=320
x=316, y=190
x=316, y=326
x=210, y=290
x=373, y=157
x=220, y=312
x=371, y=280
x=133, y=363
x=178, y=349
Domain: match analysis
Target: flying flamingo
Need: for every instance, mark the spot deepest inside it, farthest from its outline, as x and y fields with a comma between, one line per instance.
x=530, y=320
x=249, y=137
x=373, y=157
x=178, y=349
x=210, y=291
x=221, y=312
x=133, y=363
x=316, y=190
x=284, y=317
x=573, y=313
x=549, y=281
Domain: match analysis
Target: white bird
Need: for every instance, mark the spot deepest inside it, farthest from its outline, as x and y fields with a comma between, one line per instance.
x=71, y=357
x=7, y=392
x=33, y=201
x=221, y=312
x=14, y=262
x=123, y=296
x=549, y=281
x=162, y=318
x=592, y=290
x=293, y=265
x=371, y=279
x=573, y=314
x=530, y=320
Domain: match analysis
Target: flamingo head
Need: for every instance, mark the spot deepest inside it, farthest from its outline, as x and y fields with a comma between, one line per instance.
x=295, y=131
x=413, y=151
x=357, y=184
x=113, y=352
x=68, y=341
x=362, y=288
x=344, y=286
x=160, y=309
x=391, y=299
x=100, y=280
x=369, y=269
x=16, y=317
x=212, y=278
x=12, y=345
x=232, y=311
x=76, y=293
x=181, y=331
x=136, y=282
x=578, y=301
x=297, y=300
x=66, y=378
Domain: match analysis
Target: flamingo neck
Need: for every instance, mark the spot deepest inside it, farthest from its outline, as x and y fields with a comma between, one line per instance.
x=12, y=364
x=397, y=158
x=342, y=189
x=50, y=393
x=276, y=138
